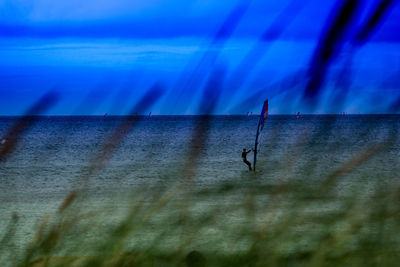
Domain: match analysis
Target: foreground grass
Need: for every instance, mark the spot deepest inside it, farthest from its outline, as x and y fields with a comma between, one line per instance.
x=251, y=224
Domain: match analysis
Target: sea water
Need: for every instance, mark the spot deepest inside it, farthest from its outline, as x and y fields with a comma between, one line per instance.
x=54, y=156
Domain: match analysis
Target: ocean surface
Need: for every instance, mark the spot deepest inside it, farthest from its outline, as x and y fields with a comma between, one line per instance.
x=55, y=155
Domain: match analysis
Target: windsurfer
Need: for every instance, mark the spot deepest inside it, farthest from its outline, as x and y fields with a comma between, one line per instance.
x=244, y=157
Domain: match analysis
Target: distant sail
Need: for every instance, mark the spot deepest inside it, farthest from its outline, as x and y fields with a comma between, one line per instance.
x=260, y=127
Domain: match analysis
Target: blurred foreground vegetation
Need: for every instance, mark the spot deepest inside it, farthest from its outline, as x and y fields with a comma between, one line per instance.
x=244, y=223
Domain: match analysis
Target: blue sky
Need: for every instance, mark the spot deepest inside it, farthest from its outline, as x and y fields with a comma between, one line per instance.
x=103, y=56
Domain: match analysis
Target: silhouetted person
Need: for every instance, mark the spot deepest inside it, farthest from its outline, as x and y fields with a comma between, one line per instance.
x=244, y=157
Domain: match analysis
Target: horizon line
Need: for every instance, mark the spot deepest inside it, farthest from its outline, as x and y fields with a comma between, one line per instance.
x=187, y=115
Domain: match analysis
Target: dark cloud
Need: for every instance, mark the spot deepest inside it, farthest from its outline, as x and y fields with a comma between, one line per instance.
x=183, y=22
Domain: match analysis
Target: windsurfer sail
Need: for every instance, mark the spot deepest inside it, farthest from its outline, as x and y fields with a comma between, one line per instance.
x=260, y=127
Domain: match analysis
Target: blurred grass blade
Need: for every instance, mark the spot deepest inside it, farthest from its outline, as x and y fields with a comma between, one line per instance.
x=14, y=134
